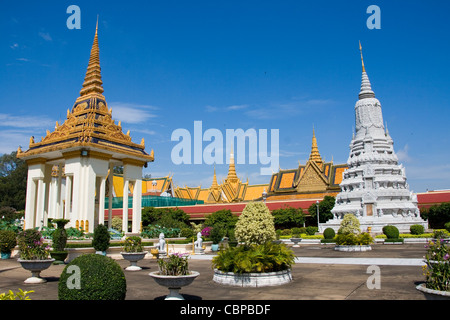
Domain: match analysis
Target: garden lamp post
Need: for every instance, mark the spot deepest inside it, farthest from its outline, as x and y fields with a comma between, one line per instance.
x=317, y=206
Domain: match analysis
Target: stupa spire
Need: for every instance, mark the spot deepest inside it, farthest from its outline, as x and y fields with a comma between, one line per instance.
x=93, y=84
x=232, y=169
x=214, y=183
x=315, y=155
x=366, y=88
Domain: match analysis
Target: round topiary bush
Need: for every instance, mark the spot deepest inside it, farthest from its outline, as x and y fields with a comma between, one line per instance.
x=417, y=229
x=391, y=232
x=255, y=225
x=92, y=277
x=329, y=233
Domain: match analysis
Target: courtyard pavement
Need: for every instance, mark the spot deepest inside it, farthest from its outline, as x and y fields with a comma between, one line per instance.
x=320, y=273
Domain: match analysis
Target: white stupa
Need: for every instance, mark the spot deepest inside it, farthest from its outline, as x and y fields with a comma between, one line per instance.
x=374, y=186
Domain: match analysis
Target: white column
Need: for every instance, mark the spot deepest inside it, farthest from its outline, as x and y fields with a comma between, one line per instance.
x=101, y=202
x=30, y=207
x=137, y=206
x=125, y=206
x=68, y=196
x=110, y=193
x=40, y=205
x=60, y=209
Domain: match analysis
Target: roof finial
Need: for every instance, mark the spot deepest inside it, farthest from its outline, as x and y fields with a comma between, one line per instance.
x=315, y=155
x=93, y=80
x=362, y=60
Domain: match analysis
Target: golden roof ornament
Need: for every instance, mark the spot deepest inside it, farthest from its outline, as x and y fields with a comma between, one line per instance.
x=93, y=84
x=315, y=155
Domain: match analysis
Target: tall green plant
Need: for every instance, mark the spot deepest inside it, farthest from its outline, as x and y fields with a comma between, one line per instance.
x=101, y=239
x=255, y=224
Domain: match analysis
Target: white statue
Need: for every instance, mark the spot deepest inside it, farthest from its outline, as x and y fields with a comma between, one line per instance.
x=162, y=243
x=199, y=242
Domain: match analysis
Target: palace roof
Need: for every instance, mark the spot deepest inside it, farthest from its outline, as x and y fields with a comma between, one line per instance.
x=89, y=125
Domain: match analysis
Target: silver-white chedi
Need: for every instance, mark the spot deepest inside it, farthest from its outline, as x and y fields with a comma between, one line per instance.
x=374, y=186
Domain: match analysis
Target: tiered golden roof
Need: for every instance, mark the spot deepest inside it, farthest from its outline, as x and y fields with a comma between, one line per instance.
x=89, y=123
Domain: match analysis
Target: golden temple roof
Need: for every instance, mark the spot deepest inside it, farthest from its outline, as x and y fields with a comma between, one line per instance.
x=315, y=155
x=89, y=123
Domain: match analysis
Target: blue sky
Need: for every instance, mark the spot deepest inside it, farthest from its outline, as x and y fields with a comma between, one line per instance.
x=286, y=65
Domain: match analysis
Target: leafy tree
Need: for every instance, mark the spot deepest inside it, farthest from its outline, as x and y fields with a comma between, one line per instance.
x=437, y=215
x=222, y=218
x=288, y=218
x=165, y=217
x=255, y=224
x=325, y=207
x=13, y=181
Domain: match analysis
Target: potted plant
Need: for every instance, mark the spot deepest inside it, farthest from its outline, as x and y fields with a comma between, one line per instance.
x=133, y=252
x=296, y=237
x=34, y=254
x=436, y=271
x=174, y=274
x=59, y=241
x=267, y=264
x=101, y=239
x=7, y=243
x=216, y=236
x=350, y=238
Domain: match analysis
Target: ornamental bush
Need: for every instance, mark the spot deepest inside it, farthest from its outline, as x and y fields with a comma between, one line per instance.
x=391, y=232
x=7, y=241
x=267, y=257
x=101, y=238
x=329, y=233
x=92, y=277
x=349, y=224
x=255, y=224
x=417, y=229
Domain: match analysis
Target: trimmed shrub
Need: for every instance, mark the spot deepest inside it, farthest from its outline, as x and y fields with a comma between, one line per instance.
x=351, y=239
x=329, y=233
x=310, y=230
x=417, y=229
x=7, y=241
x=116, y=223
x=391, y=232
x=101, y=239
x=101, y=278
x=447, y=226
x=255, y=224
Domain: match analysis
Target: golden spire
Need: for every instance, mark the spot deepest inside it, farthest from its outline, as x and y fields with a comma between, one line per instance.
x=232, y=169
x=93, y=84
x=315, y=155
x=362, y=60
x=214, y=183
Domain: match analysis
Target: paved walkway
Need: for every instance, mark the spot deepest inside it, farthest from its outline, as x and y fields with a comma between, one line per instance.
x=320, y=273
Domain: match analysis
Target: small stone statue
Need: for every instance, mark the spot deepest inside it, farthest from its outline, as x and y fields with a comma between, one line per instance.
x=199, y=242
x=162, y=243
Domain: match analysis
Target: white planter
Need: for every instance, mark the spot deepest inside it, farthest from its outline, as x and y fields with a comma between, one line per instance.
x=295, y=241
x=35, y=266
x=133, y=257
x=174, y=283
x=263, y=279
x=431, y=294
x=353, y=248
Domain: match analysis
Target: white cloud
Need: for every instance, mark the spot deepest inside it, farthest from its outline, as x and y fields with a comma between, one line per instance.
x=45, y=35
x=403, y=155
x=132, y=113
x=226, y=109
x=42, y=122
